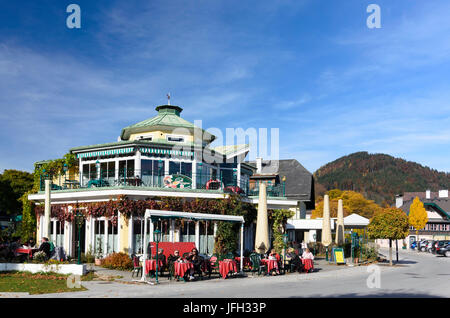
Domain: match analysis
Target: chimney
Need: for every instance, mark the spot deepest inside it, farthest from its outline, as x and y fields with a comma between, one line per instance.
x=428, y=194
x=398, y=200
x=443, y=193
x=258, y=165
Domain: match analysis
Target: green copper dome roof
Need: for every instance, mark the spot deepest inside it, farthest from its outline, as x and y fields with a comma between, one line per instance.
x=168, y=118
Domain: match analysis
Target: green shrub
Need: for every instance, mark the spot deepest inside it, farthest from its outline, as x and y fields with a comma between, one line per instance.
x=87, y=258
x=40, y=257
x=120, y=261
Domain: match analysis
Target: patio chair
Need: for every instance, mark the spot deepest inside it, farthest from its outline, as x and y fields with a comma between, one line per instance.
x=256, y=264
x=137, y=268
x=214, y=264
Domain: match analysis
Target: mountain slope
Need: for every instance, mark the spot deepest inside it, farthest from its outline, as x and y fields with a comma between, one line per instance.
x=379, y=177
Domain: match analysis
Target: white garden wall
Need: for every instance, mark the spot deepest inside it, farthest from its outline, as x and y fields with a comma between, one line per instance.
x=74, y=269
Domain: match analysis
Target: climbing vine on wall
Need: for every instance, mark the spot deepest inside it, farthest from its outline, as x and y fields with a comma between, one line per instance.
x=232, y=205
x=278, y=219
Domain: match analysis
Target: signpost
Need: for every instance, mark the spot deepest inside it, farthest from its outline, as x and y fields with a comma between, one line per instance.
x=338, y=254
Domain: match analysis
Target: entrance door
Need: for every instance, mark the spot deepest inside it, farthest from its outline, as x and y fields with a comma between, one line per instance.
x=79, y=237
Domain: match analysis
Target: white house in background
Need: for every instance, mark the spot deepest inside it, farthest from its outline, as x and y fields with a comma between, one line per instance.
x=437, y=205
x=312, y=228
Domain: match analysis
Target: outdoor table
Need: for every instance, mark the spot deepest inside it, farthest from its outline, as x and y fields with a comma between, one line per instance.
x=226, y=266
x=271, y=264
x=150, y=265
x=28, y=251
x=181, y=268
x=247, y=262
x=308, y=264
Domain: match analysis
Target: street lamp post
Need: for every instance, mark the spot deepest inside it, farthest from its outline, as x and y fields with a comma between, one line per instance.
x=157, y=239
x=79, y=223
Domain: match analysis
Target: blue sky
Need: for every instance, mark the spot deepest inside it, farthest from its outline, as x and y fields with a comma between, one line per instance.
x=311, y=68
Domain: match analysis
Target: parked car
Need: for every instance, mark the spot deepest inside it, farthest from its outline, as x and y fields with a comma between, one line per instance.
x=440, y=244
x=423, y=245
x=430, y=246
x=444, y=250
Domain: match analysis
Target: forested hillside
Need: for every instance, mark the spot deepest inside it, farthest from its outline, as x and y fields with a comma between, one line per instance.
x=378, y=177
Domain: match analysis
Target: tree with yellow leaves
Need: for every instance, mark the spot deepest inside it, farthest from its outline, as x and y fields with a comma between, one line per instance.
x=353, y=202
x=418, y=216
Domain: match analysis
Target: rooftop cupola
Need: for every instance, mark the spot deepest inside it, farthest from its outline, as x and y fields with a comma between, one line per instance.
x=169, y=110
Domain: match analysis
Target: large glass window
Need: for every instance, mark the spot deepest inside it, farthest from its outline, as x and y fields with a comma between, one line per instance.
x=113, y=238
x=183, y=168
x=57, y=233
x=206, y=237
x=187, y=233
x=99, y=237
x=152, y=172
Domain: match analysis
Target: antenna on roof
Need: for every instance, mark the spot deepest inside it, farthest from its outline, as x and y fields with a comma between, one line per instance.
x=168, y=99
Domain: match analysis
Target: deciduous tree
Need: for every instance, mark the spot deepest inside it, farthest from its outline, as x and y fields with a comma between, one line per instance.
x=391, y=224
x=418, y=216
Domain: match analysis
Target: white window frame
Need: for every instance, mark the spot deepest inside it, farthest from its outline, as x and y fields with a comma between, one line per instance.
x=175, y=136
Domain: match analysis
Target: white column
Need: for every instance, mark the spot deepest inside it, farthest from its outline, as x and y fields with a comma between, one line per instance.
x=194, y=174
x=92, y=234
x=116, y=170
x=130, y=235
x=47, y=210
x=151, y=231
x=242, y=247
x=119, y=226
x=197, y=235
x=98, y=167
x=105, y=244
x=238, y=175
x=166, y=167
x=215, y=229
x=80, y=168
x=137, y=164
x=67, y=237
x=172, y=231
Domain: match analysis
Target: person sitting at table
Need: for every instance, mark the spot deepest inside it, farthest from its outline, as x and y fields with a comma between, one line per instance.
x=171, y=260
x=162, y=259
x=276, y=257
x=293, y=260
x=45, y=247
x=197, y=261
x=31, y=243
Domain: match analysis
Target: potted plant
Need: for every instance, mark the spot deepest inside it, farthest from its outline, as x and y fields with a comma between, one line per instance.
x=99, y=253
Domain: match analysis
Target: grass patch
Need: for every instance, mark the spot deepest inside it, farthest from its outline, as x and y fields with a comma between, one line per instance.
x=39, y=283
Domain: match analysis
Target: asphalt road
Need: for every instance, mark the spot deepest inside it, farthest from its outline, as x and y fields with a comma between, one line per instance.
x=416, y=275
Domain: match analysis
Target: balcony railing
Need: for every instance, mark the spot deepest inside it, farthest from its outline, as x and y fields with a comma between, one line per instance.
x=143, y=178
x=278, y=190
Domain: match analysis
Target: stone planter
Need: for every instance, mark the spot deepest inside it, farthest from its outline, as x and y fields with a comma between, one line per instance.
x=74, y=269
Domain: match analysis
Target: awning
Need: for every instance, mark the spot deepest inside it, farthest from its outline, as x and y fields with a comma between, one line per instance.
x=159, y=214
x=167, y=152
x=105, y=152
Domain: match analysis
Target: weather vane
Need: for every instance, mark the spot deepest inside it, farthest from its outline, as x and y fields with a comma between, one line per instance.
x=168, y=99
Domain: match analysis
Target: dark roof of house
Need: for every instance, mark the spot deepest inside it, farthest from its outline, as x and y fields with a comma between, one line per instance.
x=299, y=181
x=421, y=195
x=442, y=203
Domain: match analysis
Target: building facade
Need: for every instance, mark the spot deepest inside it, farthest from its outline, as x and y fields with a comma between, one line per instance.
x=164, y=156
